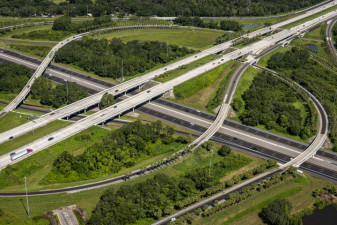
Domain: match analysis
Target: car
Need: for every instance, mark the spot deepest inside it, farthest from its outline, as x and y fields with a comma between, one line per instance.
x=173, y=219
x=116, y=91
x=192, y=124
x=115, y=106
x=51, y=114
x=222, y=59
x=235, y=138
x=51, y=138
x=165, y=69
x=11, y=137
x=213, y=63
x=195, y=56
x=148, y=91
x=13, y=153
x=12, y=53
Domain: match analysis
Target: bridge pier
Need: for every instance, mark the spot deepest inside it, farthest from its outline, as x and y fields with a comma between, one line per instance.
x=119, y=116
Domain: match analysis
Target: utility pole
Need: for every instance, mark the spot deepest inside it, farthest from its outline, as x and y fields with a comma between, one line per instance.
x=203, y=85
x=27, y=196
x=210, y=163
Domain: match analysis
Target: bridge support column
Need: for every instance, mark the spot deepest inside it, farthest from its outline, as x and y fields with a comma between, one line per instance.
x=119, y=116
x=85, y=110
x=133, y=109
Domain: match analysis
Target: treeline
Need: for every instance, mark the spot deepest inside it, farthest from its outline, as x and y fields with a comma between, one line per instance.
x=228, y=25
x=269, y=102
x=121, y=148
x=104, y=57
x=321, y=82
x=159, y=196
x=64, y=23
x=26, y=8
x=43, y=90
x=50, y=35
x=13, y=77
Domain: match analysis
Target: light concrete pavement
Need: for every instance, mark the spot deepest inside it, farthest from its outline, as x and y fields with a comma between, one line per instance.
x=92, y=100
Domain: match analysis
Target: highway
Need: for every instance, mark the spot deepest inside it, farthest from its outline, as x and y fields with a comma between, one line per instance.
x=225, y=105
x=297, y=161
x=92, y=100
x=329, y=36
x=158, y=90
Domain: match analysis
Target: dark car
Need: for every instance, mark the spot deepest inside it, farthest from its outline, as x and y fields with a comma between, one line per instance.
x=148, y=91
x=11, y=137
x=51, y=138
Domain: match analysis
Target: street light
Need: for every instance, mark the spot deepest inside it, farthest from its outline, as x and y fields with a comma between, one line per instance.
x=67, y=89
x=203, y=85
x=27, y=196
x=210, y=163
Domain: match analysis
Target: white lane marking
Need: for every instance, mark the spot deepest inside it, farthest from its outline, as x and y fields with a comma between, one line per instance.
x=54, y=71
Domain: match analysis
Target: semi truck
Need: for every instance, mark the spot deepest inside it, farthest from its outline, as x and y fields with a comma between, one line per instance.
x=15, y=155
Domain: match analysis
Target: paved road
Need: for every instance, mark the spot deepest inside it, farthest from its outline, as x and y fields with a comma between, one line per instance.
x=225, y=105
x=329, y=36
x=156, y=91
x=212, y=50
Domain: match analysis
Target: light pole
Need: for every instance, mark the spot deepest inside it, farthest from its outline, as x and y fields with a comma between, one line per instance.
x=210, y=163
x=122, y=71
x=203, y=85
x=67, y=89
x=27, y=196
x=166, y=52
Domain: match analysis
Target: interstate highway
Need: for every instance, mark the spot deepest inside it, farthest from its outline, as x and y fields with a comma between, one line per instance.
x=329, y=36
x=80, y=106
x=141, y=98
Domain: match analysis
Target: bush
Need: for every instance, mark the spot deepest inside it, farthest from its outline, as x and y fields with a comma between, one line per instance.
x=224, y=151
x=277, y=212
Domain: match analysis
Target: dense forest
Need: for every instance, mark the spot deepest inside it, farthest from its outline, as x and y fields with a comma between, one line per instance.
x=159, y=196
x=229, y=25
x=65, y=24
x=13, y=77
x=43, y=90
x=122, y=148
x=297, y=65
x=269, y=102
x=26, y=8
x=104, y=57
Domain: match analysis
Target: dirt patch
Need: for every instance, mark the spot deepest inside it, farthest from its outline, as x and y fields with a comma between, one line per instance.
x=329, y=198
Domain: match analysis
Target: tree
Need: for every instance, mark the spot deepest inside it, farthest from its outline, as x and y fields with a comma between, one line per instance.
x=40, y=87
x=207, y=145
x=62, y=23
x=224, y=151
x=277, y=212
x=106, y=101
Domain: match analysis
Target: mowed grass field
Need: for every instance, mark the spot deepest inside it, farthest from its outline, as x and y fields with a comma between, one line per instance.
x=190, y=38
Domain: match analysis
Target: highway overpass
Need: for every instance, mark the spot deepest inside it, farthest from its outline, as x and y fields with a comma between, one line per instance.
x=160, y=89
